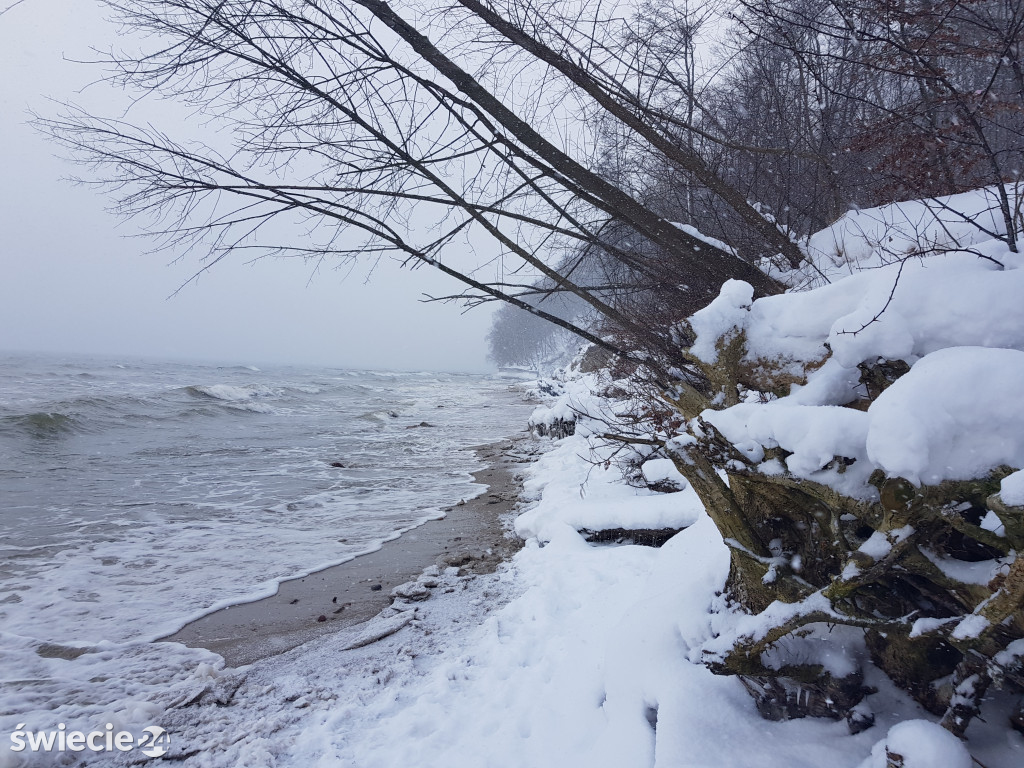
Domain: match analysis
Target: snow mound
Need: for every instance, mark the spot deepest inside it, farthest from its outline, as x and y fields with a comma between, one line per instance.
x=558, y=417
x=719, y=319
x=1011, y=489
x=663, y=472
x=562, y=479
x=897, y=311
x=955, y=415
x=920, y=744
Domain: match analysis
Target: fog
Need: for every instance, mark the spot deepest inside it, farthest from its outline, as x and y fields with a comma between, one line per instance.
x=74, y=278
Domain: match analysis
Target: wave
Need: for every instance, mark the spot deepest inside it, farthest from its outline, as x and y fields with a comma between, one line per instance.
x=42, y=424
x=98, y=412
x=250, y=407
x=90, y=413
x=251, y=368
x=381, y=416
x=232, y=394
x=306, y=389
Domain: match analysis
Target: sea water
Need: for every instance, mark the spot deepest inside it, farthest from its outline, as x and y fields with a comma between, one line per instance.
x=137, y=495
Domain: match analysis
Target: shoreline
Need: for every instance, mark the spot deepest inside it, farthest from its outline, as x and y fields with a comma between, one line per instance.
x=471, y=537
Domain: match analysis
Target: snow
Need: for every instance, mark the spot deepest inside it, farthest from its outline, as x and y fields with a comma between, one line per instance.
x=877, y=546
x=549, y=414
x=970, y=627
x=869, y=237
x=719, y=318
x=969, y=573
x=126, y=684
x=696, y=233
x=609, y=504
x=955, y=318
x=921, y=744
x=755, y=627
x=813, y=434
x=927, y=625
x=940, y=279
x=955, y=415
x=839, y=650
x=1012, y=652
x=1011, y=490
x=991, y=522
x=662, y=471
x=577, y=656
x=566, y=405
x=935, y=305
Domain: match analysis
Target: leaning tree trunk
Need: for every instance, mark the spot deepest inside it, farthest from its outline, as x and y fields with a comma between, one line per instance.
x=801, y=563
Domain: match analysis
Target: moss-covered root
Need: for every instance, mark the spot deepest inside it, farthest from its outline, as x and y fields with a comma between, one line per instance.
x=970, y=682
x=820, y=695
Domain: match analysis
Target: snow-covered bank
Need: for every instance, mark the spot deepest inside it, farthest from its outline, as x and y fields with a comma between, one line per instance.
x=599, y=659
x=572, y=655
x=851, y=444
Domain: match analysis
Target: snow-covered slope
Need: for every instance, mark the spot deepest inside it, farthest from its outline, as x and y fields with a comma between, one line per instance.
x=864, y=238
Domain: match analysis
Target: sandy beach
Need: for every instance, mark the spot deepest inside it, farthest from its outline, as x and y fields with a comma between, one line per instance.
x=473, y=536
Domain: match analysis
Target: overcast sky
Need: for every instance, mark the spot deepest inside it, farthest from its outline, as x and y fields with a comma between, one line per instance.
x=73, y=280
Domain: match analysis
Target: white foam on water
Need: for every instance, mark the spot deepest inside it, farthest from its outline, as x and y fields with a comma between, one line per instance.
x=234, y=394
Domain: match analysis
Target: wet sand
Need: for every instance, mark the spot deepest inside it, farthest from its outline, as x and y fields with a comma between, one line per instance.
x=470, y=537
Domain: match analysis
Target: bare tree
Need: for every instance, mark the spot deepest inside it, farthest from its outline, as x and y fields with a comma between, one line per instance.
x=350, y=118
